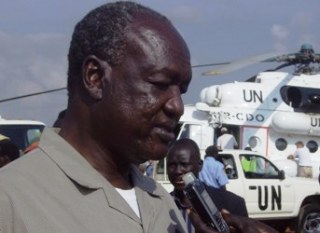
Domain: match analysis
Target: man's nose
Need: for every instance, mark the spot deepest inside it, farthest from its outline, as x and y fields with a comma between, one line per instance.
x=180, y=169
x=174, y=105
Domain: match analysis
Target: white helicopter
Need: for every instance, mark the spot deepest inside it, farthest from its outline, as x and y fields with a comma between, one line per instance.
x=269, y=112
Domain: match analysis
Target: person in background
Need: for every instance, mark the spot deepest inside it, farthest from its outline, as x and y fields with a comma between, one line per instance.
x=302, y=154
x=8, y=151
x=226, y=140
x=128, y=67
x=148, y=168
x=213, y=171
x=184, y=157
x=151, y=168
x=59, y=119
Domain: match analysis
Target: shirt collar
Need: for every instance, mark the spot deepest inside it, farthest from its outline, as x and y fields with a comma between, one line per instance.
x=78, y=169
x=177, y=201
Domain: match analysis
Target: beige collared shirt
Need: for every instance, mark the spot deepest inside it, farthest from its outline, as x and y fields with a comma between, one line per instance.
x=53, y=189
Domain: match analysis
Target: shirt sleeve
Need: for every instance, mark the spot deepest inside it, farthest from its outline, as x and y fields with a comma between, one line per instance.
x=6, y=214
x=222, y=177
x=219, y=142
x=235, y=142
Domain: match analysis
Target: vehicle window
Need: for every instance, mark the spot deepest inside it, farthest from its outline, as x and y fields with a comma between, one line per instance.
x=229, y=165
x=257, y=167
x=33, y=135
x=22, y=135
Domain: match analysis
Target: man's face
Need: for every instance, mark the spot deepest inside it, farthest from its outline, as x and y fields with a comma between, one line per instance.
x=4, y=160
x=141, y=102
x=180, y=160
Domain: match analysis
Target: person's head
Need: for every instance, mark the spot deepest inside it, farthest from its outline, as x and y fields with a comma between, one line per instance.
x=224, y=130
x=183, y=156
x=57, y=123
x=8, y=152
x=299, y=144
x=128, y=67
x=212, y=151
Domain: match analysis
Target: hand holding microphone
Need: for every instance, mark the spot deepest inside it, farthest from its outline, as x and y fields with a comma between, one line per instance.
x=206, y=210
x=203, y=204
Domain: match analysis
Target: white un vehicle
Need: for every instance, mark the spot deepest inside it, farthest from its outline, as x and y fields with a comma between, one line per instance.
x=21, y=132
x=271, y=195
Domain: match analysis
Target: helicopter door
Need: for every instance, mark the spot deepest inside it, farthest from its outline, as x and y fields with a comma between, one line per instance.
x=256, y=138
x=202, y=134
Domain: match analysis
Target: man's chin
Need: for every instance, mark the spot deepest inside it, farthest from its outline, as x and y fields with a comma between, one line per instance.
x=179, y=186
x=159, y=153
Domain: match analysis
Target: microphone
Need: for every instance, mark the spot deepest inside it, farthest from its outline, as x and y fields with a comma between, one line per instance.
x=200, y=200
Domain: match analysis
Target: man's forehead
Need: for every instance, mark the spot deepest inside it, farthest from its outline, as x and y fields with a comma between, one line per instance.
x=146, y=41
x=151, y=33
x=181, y=152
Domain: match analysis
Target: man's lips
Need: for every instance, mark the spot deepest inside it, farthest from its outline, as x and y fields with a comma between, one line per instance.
x=179, y=181
x=165, y=134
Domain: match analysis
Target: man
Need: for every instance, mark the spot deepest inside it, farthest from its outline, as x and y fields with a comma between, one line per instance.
x=183, y=157
x=59, y=119
x=8, y=151
x=148, y=168
x=213, y=171
x=128, y=67
x=304, y=160
x=226, y=140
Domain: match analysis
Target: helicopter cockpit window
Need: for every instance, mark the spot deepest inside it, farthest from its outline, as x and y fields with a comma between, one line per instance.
x=281, y=144
x=257, y=167
x=291, y=96
x=312, y=146
x=302, y=99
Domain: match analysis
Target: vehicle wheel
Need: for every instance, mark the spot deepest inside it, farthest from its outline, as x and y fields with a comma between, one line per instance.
x=309, y=219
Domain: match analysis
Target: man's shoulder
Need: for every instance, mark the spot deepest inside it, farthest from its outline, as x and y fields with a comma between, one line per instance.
x=146, y=183
x=26, y=166
x=210, y=161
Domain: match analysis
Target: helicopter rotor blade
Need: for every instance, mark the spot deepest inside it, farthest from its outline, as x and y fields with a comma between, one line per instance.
x=306, y=55
x=281, y=58
x=63, y=88
x=32, y=94
x=239, y=64
x=210, y=64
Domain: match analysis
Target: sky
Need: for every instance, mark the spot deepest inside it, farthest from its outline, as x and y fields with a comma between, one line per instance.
x=35, y=37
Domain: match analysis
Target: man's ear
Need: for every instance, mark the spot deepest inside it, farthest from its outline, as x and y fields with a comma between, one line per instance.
x=94, y=72
x=200, y=163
